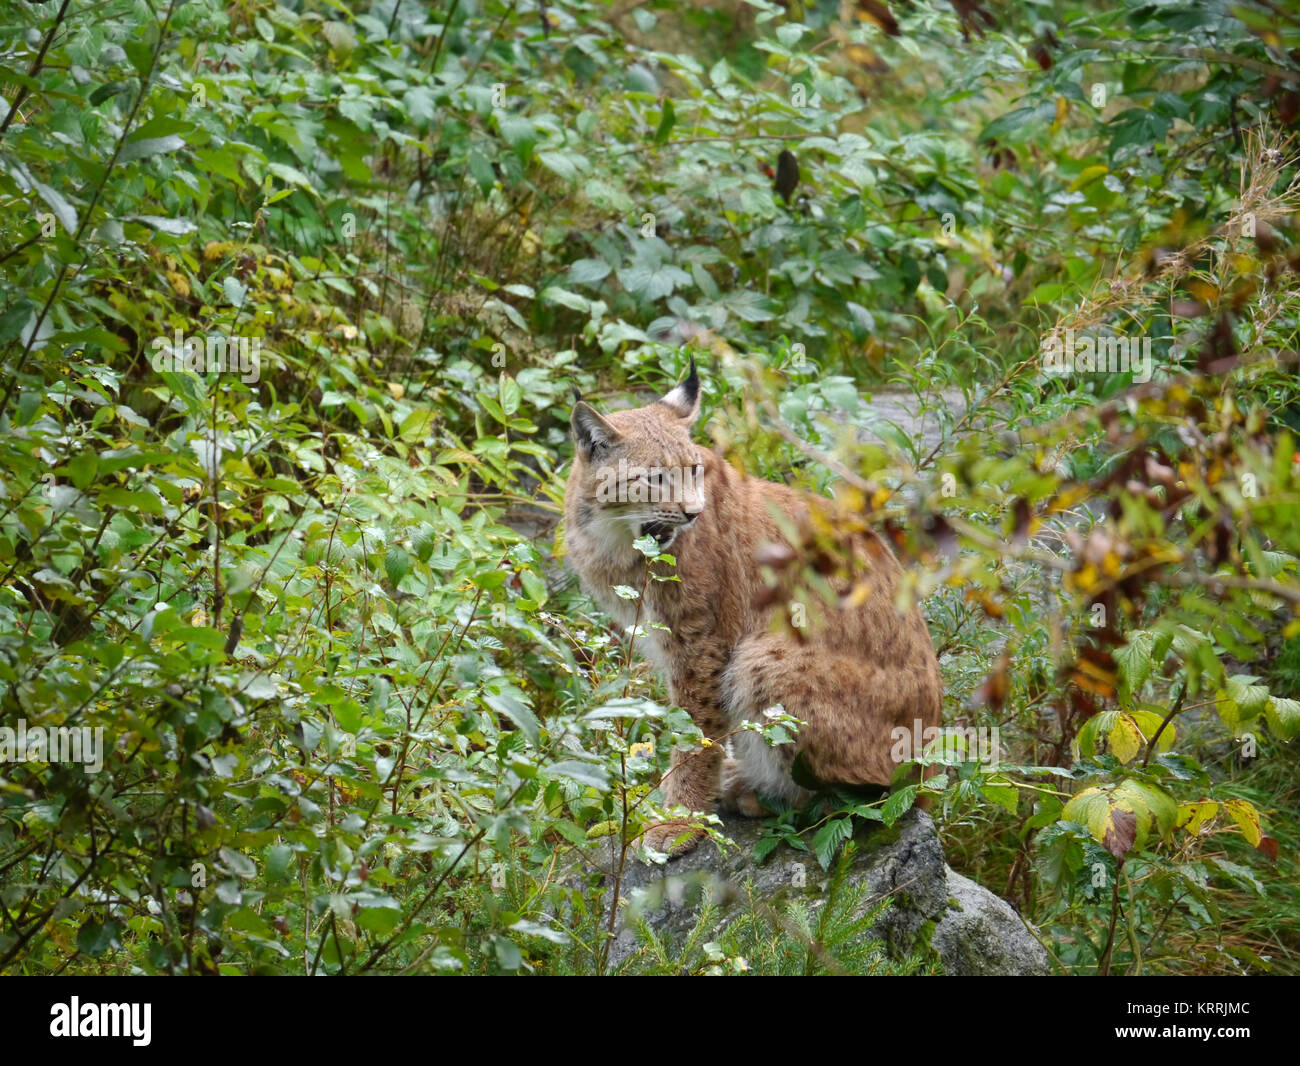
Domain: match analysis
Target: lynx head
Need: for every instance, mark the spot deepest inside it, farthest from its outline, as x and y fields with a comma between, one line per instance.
x=638, y=472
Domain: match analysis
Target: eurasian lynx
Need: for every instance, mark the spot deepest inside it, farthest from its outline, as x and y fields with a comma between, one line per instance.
x=854, y=673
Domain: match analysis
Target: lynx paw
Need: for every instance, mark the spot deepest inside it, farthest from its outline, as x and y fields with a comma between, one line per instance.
x=736, y=793
x=672, y=838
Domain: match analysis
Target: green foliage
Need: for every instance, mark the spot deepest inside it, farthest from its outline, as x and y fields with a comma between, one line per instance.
x=354, y=717
x=1286, y=669
x=794, y=936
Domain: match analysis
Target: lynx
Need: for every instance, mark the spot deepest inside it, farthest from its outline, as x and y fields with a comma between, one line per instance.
x=856, y=671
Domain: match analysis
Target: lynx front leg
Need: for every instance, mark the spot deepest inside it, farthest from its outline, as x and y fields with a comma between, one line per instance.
x=691, y=783
x=695, y=778
x=737, y=793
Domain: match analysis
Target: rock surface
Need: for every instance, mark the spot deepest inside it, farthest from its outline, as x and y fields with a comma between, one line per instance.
x=982, y=934
x=971, y=930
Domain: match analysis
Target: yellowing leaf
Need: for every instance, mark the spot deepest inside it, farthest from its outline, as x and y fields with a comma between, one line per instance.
x=180, y=285
x=1148, y=722
x=850, y=498
x=1121, y=817
x=1192, y=816
x=1084, y=579
x=859, y=595
x=1125, y=740
x=1062, y=113
x=1247, y=818
x=1070, y=495
x=1088, y=176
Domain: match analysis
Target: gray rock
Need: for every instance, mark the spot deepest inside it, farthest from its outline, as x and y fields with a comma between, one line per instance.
x=982, y=934
x=971, y=930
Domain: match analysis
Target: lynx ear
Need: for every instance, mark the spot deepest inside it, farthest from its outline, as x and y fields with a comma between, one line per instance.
x=591, y=433
x=684, y=400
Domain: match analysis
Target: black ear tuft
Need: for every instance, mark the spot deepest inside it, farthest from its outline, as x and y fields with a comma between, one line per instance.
x=577, y=396
x=684, y=400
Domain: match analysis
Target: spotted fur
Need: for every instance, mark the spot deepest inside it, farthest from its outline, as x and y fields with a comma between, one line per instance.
x=859, y=669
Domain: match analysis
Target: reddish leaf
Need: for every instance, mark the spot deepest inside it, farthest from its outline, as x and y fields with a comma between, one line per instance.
x=1121, y=833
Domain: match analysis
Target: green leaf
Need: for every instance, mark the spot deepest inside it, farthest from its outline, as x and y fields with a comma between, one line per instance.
x=518, y=132
x=571, y=831
x=565, y=165
x=81, y=468
x=653, y=282
x=802, y=774
x=1005, y=796
x=829, y=838
x=95, y=938
x=509, y=393
x=237, y=864
x=1016, y=126
x=107, y=91
x=634, y=708
x=63, y=211
x=1134, y=659
x=589, y=271
x=535, y=587
x=585, y=773
x=509, y=957
x=1283, y=717
x=397, y=564
x=292, y=176
x=512, y=705
x=173, y=227
x=278, y=858
x=529, y=928
x=236, y=292
x=481, y=171
x=564, y=298
x=898, y=804
x=15, y=320
x=666, y=121
x=150, y=146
